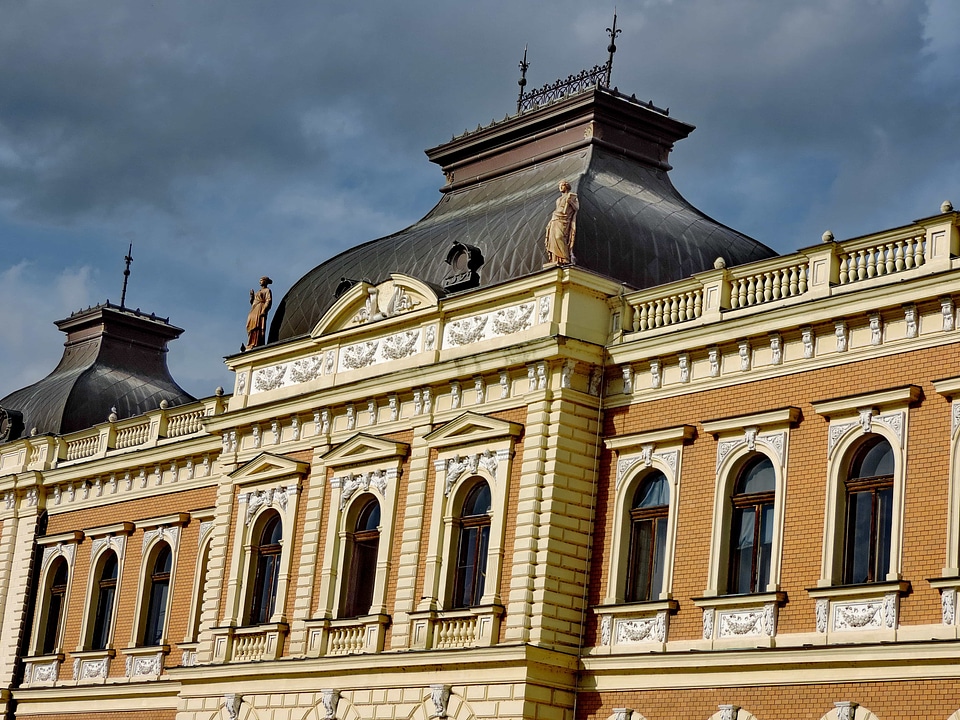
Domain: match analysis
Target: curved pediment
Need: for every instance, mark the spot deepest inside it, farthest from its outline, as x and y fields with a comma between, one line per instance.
x=365, y=303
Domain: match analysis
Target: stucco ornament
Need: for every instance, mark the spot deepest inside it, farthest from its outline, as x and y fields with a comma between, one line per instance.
x=329, y=698
x=440, y=697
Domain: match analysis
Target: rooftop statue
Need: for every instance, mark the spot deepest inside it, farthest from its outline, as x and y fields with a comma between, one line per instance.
x=562, y=228
x=260, y=303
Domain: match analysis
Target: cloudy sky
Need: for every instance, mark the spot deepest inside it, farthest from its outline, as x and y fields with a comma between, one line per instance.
x=230, y=138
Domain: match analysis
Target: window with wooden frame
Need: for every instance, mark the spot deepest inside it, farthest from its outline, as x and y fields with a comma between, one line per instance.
x=52, y=631
x=266, y=567
x=105, y=588
x=869, y=513
x=648, y=539
x=751, y=527
x=363, y=545
x=157, y=597
x=470, y=571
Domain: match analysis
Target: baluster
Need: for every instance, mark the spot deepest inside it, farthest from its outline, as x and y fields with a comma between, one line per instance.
x=890, y=253
x=674, y=310
x=658, y=314
x=862, y=260
x=697, y=303
x=920, y=251
x=899, y=260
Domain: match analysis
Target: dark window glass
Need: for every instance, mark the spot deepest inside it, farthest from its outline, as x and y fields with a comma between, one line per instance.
x=648, y=539
x=157, y=597
x=55, y=602
x=869, y=514
x=106, y=589
x=362, y=546
x=474, y=539
x=267, y=573
x=751, y=527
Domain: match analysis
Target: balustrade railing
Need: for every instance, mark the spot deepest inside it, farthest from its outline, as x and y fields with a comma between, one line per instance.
x=770, y=285
x=185, y=423
x=882, y=259
x=455, y=632
x=133, y=435
x=83, y=447
x=668, y=310
x=346, y=640
x=250, y=646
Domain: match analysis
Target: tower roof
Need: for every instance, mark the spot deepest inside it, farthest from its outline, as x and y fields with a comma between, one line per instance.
x=113, y=358
x=633, y=225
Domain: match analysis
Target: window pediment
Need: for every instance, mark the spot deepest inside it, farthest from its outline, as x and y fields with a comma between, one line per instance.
x=471, y=428
x=265, y=467
x=364, y=303
x=364, y=449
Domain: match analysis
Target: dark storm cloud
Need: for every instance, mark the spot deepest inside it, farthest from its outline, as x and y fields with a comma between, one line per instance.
x=232, y=139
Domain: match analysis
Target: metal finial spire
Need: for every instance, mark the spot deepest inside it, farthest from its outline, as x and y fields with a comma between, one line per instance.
x=612, y=47
x=522, y=82
x=128, y=258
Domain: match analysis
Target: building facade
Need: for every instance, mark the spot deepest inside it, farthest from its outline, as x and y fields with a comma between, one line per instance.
x=681, y=477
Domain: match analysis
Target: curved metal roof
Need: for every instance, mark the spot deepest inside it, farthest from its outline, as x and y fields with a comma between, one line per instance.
x=633, y=225
x=113, y=358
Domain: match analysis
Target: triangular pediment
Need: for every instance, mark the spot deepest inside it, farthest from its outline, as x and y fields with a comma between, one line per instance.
x=267, y=466
x=472, y=427
x=362, y=448
x=365, y=303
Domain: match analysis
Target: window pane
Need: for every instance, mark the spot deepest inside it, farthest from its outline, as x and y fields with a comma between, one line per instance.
x=641, y=548
x=156, y=613
x=653, y=492
x=757, y=476
x=765, y=549
x=466, y=566
x=858, y=541
x=52, y=629
x=101, y=626
x=477, y=502
x=884, y=521
x=741, y=552
x=656, y=585
x=874, y=460
x=481, y=571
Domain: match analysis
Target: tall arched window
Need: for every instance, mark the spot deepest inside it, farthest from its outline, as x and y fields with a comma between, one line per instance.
x=472, y=546
x=361, y=559
x=751, y=527
x=869, y=513
x=106, y=589
x=648, y=538
x=266, y=556
x=56, y=596
x=157, y=594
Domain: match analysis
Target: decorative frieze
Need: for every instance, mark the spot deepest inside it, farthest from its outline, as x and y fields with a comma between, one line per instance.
x=352, y=482
x=138, y=666
x=91, y=668
x=168, y=534
x=544, y=309
x=307, y=369
x=455, y=467
x=256, y=499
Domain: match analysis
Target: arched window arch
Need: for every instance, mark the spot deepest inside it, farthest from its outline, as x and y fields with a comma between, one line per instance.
x=105, y=591
x=266, y=568
x=51, y=631
x=473, y=542
x=751, y=526
x=157, y=593
x=360, y=559
x=868, y=516
x=648, y=538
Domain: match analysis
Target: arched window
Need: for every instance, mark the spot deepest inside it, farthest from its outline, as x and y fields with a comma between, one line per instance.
x=648, y=538
x=472, y=546
x=869, y=513
x=361, y=559
x=158, y=593
x=194, y=628
x=56, y=596
x=751, y=527
x=106, y=589
x=266, y=556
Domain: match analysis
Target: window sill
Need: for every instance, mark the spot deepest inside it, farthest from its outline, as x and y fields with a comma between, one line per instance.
x=188, y=650
x=145, y=663
x=471, y=627
x=347, y=636
x=42, y=670
x=634, y=627
x=858, y=613
x=738, y=621
x=92, y=667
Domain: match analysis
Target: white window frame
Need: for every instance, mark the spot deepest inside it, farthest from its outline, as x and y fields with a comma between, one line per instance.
x=110, y=537
x=54, y=546
x=166, y=529
x=740, y=438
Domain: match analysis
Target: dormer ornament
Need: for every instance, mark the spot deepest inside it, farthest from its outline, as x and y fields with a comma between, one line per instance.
x=465, y=262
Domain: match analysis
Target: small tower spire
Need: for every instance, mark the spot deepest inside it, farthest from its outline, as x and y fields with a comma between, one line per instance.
x=522, y=82
x=612, y=47
x=128, y=258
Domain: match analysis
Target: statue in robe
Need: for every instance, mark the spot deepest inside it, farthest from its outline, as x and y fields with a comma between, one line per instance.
x=260, y=303
x=562, y=228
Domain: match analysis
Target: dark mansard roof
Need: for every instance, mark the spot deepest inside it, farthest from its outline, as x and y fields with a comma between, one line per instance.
x=633, y=225
x=113, y=358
